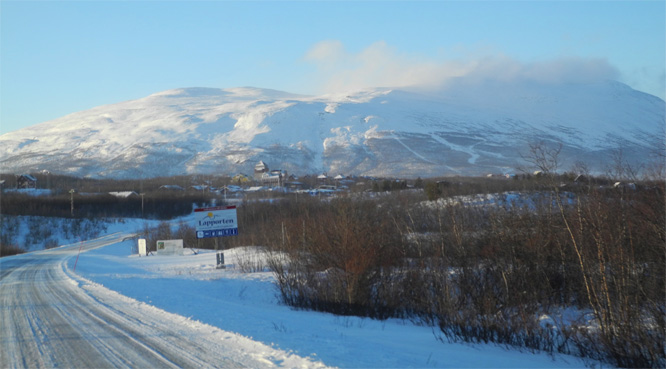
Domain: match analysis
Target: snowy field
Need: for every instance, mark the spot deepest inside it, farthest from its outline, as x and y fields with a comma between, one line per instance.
x=235, y=300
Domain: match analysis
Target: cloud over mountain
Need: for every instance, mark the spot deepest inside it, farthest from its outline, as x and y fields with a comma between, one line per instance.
x=379, y=64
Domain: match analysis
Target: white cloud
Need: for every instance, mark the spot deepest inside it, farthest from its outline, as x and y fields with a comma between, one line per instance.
x=326, y=52
x=380, y=65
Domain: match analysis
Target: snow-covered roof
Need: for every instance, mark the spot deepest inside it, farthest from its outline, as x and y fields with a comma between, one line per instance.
x=172, y=187
x=271, y=175
x=260, y=166
x=123, y=194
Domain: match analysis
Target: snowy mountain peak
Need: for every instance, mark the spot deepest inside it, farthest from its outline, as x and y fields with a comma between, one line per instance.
x=463, y=128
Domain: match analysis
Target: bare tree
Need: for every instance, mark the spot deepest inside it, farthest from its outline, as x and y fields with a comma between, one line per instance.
x=542, y=157
x=620, y=168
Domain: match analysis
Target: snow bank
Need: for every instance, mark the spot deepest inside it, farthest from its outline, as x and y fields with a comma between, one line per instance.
x=191, y=287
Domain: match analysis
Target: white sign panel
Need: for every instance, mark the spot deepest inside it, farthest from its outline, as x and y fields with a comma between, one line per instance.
x=142, y=246
x=169, y=247
x=217, y=221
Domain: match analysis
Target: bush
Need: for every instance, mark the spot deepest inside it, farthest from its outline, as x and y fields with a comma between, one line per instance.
x=9, y=250
x=483, y=273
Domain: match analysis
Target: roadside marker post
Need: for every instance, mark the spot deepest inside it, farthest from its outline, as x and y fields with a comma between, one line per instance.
x=77, y=255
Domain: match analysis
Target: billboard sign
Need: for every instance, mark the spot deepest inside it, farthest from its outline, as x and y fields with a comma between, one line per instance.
x=169, y=247
x=218, y=221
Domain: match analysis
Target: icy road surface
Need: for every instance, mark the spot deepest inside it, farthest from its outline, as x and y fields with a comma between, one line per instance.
x=52, y=318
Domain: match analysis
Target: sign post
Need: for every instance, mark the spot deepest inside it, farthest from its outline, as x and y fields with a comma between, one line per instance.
x=218, y=221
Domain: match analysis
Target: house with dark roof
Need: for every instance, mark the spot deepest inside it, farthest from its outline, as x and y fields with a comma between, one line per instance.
x=26, y=181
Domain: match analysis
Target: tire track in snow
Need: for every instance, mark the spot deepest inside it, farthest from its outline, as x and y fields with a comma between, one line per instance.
x=52, y=318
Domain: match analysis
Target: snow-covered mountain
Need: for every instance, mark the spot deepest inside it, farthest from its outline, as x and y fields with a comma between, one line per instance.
x=465, y=128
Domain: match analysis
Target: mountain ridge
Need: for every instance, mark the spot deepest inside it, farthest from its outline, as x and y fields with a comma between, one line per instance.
x=463, y=129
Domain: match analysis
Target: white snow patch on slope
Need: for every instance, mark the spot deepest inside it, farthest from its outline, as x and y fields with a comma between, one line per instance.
x=223, y=127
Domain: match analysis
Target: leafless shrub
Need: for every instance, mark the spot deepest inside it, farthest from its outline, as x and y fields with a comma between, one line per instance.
x=481, y=272
x=251, y=262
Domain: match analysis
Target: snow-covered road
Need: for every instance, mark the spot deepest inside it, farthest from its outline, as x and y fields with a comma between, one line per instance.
x=53, y=318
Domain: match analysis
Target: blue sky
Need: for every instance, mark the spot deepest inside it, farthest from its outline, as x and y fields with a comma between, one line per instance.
x=61, y=57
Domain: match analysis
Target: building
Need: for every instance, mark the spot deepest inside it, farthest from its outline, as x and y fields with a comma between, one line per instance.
x=26, y=181
x=274, y=178
x=259, y=170
x=267, y=177
x=294, y=186
x=240, y=179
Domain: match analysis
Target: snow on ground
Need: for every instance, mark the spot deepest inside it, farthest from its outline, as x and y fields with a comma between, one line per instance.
x=247, y=303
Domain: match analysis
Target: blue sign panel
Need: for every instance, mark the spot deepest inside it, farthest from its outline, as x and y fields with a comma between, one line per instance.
x=218, y=233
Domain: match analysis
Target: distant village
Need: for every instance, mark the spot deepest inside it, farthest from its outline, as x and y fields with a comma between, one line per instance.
x=265, y=179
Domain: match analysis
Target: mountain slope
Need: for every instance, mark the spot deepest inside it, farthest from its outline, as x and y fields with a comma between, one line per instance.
x=466, y=129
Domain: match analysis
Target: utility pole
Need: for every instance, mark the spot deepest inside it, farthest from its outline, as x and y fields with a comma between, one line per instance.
x=48, y=180
x=71, y=195
x=142, y=203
